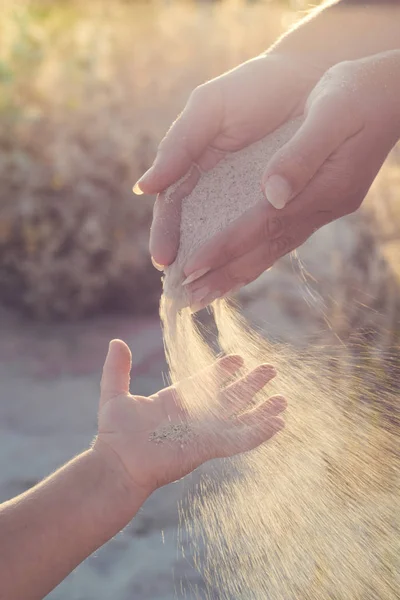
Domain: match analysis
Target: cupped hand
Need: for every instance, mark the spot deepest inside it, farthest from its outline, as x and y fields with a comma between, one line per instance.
x=134, y=428
x=223, y=115
x=352, y=121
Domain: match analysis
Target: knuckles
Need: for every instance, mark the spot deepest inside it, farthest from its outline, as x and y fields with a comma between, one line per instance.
x=203, y=95
x=280, y=247
x=275, y=249
x=272, y=226
x=338, y=95
x=232, y=278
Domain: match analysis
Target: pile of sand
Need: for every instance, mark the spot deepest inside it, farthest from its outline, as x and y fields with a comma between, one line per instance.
x=313, y=514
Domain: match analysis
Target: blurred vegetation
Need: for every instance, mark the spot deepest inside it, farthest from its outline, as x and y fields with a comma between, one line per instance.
x=86, y=92
x=87, y=89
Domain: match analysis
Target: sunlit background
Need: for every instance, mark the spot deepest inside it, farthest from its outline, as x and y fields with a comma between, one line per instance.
x=87, y=90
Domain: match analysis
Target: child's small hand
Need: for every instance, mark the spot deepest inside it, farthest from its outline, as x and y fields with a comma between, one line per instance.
x=134, y=428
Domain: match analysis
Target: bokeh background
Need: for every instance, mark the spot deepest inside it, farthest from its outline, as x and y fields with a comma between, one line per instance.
x=87, y=90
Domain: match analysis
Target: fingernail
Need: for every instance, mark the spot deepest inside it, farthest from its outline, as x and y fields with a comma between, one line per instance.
x=157, y=266
x=136, y=189
x=196, y=275
x=277, y=191
x=201, y=299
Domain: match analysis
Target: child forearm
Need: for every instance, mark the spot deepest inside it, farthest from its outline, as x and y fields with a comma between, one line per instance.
x=46, y=532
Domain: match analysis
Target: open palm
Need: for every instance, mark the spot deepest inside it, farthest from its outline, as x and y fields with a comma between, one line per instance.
x=159, y=439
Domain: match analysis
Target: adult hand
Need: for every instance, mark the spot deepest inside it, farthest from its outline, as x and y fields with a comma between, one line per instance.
x=225, y=114
x=127, y=423
x=352, y=121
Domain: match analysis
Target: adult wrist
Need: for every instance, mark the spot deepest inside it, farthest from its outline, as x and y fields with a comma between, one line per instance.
x=339, y=31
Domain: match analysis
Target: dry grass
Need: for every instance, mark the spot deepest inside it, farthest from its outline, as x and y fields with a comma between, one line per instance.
x=86, y=92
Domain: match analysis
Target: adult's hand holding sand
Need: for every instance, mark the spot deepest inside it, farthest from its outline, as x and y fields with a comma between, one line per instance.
x=222, y=116
x=244, y=105
x=354, y=99
x=142, y=444
x=324, y=171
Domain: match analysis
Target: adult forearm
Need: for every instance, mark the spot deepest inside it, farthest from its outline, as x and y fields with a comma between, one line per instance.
x=46, y=532
x=366, y=2
x=345, y=30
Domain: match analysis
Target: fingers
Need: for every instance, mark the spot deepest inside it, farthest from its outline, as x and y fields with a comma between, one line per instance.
x=238, y=395
x=186, y=140
x=224, y=368
x=219, y=372
x=251, y=437
x=237, y=272
x=315, y=207
x=232, y=276
x=245, y=438
x=254, y=427
x=258, y=416
x=165, y=232
x=252, y=228
x=213, y=377
x=165, y=228
x=329, y=122
x=116, y=371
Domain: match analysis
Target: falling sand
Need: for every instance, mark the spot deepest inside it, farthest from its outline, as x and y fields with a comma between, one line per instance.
x=315, y=513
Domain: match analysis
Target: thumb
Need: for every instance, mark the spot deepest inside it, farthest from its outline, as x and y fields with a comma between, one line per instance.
x=116, y=371
x=185, y=142
x=328, y=123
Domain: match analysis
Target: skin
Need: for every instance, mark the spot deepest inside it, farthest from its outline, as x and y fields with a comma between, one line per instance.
x=352, y=122
x=244, y=105
x=47, y=531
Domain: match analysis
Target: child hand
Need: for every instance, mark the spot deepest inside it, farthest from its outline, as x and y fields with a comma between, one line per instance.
x=140, y=431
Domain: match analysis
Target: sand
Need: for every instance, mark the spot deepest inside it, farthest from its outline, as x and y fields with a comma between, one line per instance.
x=221, y=196
x=314, y=513
x=49, y=385
x=182, y=433
x=48, y=413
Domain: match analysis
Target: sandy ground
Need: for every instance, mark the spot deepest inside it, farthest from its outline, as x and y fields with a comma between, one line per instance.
x=49, y=393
